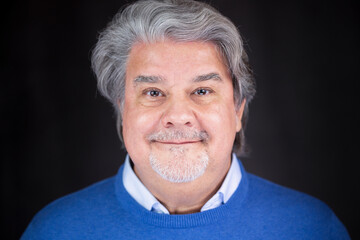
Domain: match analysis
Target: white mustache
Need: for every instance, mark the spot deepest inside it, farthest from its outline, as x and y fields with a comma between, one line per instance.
x=172, y=135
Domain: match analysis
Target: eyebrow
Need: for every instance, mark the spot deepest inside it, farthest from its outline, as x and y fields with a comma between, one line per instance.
x=157, y=79
x=147, y=79
x=206, y=77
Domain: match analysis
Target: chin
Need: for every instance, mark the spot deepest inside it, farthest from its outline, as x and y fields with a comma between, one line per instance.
x=179, y=164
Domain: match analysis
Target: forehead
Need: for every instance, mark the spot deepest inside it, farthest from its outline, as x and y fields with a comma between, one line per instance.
x=168, y=59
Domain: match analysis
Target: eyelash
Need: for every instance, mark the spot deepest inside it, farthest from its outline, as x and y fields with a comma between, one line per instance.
x=161, y=94
x=208, y=91
x=148, y=92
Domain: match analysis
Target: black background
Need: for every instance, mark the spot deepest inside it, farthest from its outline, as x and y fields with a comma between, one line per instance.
x=59, y=134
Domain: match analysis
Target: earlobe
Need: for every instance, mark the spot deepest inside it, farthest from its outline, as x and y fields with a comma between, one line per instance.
x=239, y=114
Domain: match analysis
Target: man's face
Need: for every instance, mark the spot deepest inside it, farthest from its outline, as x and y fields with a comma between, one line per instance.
x=179, y=117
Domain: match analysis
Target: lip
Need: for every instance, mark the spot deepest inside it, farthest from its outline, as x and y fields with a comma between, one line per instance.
x=179, y=142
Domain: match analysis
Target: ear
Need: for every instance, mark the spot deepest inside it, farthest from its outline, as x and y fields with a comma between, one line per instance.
x=239, y=114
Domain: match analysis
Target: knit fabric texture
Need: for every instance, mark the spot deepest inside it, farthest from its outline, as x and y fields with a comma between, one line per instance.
x=258, y=209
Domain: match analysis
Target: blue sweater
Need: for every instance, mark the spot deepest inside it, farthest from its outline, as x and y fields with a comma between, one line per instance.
x=258, y=209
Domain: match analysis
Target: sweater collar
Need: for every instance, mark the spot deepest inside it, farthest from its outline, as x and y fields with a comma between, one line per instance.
x=131, y=206
x=145, y=198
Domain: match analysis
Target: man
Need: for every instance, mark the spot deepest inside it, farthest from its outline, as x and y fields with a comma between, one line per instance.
x=178, y=77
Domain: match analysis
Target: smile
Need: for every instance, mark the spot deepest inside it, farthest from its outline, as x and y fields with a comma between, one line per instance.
x=179, y=142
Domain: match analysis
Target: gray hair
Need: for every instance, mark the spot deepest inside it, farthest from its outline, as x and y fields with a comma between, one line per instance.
x=150, y=21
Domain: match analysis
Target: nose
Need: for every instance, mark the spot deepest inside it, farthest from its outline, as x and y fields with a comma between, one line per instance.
x=178, y=113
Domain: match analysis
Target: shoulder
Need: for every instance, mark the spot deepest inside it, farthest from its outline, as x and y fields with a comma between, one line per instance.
x=271, y=193
x=293, y=210
x=79, y=210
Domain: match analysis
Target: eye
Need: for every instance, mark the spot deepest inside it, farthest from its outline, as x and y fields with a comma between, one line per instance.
x=153, y=93
x=202, y=91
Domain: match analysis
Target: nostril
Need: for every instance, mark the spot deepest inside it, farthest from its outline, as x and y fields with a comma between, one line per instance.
x=169, y=124
x=178, y=114
x=188, y=124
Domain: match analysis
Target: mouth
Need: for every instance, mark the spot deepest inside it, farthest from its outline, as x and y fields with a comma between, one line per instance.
x=183, y=142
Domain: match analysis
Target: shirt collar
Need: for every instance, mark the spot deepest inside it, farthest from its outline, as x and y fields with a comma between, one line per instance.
x=228, y=187
x=144, y=197
x=136, y=188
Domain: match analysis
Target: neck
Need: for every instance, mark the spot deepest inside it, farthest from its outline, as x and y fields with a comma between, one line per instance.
x=185, y=202
x=185, y=198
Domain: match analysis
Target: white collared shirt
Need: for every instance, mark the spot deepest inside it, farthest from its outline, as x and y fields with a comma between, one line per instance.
x=144, y=197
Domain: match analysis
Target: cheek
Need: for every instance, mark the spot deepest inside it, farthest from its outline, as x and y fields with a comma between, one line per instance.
x=136, y=126
x=138, y=123
x=220, y=122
